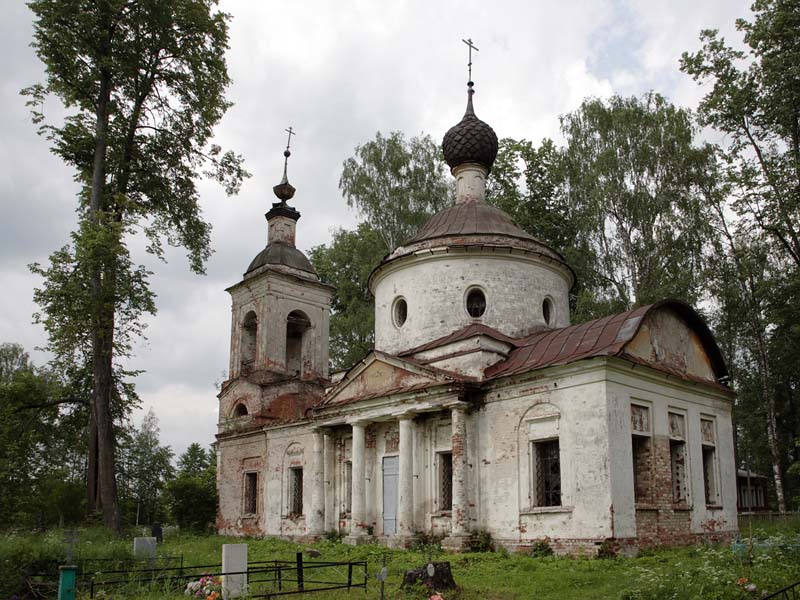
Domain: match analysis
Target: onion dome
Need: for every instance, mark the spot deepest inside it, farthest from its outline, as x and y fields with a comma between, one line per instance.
x=284, y=190
x=471, y=140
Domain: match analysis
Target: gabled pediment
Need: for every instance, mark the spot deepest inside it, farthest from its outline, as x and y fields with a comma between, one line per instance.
x=381, y=374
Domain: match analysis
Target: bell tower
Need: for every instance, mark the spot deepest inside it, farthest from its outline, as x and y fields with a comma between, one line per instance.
x=280, y=320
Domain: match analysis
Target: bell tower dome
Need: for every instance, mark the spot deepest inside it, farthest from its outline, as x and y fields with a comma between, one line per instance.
x=280, y=309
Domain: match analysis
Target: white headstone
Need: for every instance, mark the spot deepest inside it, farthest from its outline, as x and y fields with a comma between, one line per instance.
x=234, y=560
x=144, y=547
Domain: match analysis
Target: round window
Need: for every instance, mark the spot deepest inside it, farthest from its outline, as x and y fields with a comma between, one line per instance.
x=400, y=312
x=547, y=310
x=476, y=303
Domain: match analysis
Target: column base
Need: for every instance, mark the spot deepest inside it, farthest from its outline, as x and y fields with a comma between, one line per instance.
x=456, y=542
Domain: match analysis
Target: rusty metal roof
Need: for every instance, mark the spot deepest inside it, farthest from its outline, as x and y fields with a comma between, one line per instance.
x=602, y=337
x=470, y=218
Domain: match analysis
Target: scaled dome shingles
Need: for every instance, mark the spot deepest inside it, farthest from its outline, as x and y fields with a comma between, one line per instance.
x=471, y=140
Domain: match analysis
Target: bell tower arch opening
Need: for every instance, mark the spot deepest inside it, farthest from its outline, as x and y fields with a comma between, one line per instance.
x=249, y=341
x=297, y=326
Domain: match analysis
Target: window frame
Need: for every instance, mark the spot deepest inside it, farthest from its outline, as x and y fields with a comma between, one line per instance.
x=642, y=437
x=444, y=485
x=295, y=501
x=678, y=442
x=711, y=478
x=250, y=499
x=536, y=449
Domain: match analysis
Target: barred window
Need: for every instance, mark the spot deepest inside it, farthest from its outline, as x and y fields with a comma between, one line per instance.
x=250, y=493
x=709, y=440
x=547, y=466
x=446, y=481
x=296, y=491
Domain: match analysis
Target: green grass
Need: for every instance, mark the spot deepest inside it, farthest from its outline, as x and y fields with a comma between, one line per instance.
x=681, y=573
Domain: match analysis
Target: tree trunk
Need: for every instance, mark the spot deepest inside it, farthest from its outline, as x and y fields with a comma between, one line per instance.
x=772, y=425
x=103, y=325
x=92, y=491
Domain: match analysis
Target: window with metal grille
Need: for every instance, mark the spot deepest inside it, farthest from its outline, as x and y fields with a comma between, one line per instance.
x=677, y=455
x=446, y=481
x=709, y=475
x=250, y=493
x=642, y=470
x=547, y=468
x=296, y=491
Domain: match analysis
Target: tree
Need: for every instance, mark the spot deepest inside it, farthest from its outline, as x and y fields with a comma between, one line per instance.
x=637, y=183
x=40, y=449
x=145, y=82
x=194, y=462
x=396, y=185
x=193, y=494
x=528, y=184
x=346, y=263
x=146, y=468
x=754, y=99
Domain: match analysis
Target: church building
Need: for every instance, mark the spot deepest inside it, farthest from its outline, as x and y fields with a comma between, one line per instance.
x=481, y=407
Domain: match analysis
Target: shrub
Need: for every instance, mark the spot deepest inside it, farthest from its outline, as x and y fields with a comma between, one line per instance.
x=541, y=549
x=423, y=540
x=480, y=540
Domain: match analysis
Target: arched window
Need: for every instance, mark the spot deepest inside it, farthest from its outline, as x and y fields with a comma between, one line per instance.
x=249, y=340
x=297, y=324
x=547, y=311
x=240, y=410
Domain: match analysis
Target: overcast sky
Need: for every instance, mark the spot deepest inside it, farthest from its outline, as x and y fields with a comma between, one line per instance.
x=338, y=72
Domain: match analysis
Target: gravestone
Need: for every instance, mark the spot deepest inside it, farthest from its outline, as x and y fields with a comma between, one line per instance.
x=234, y=560
x=157, y=532
x=145, y=547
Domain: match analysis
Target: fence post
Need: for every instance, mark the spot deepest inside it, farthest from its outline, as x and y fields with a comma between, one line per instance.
x=300, y=583
x=280, y=576
x=349, y=574
x=66, y=582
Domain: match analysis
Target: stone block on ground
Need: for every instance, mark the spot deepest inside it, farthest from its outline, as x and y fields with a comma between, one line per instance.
x=234, y=560
x=442, y=578
x=144, y=547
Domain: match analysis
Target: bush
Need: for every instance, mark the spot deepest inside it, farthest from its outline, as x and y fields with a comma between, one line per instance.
x=334, y=536
x=423, y=540
x=541, y=549
x=480, y=540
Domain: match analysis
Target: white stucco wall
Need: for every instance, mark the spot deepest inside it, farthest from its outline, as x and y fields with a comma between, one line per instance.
x=435, y=284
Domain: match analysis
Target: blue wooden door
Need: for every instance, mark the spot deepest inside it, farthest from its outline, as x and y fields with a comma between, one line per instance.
x=391, y=471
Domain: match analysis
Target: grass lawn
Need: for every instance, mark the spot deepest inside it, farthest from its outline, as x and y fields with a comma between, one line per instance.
x=683, y=573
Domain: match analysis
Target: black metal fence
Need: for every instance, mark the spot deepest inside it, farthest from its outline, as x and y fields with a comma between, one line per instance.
x=790, y=592
x=265, y=579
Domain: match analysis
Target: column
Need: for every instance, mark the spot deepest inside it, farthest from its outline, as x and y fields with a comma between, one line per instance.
x=460, y=518
x=316, y=518
x=406, y=504
x=358, y=512
x=329, y=470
